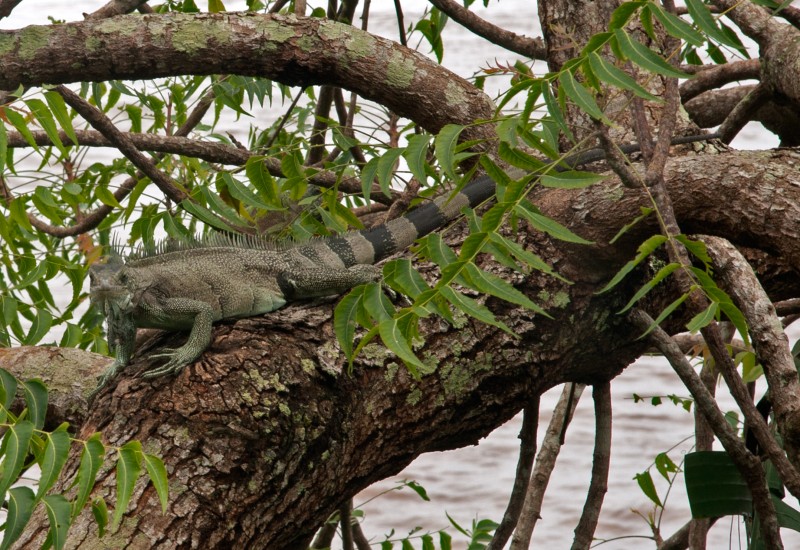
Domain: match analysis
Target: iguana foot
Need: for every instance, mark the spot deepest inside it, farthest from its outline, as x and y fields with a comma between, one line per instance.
x=105, y=378
x=178, y=358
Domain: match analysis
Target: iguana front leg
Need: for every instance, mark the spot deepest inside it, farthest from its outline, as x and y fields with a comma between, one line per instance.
x=183, y=311
x=121, y=339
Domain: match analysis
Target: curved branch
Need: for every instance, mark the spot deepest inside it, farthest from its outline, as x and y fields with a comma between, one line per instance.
x=718, y=76
x=529, y=47
x=300, y=51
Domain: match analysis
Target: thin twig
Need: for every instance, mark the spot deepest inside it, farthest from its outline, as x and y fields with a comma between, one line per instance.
x=601, y=462
x=527, y=451
x=346, y=524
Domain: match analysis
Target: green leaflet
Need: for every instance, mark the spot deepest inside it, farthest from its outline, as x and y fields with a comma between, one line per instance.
x=59, y=109
x=158, y=476
x=663, y=273
x=645, y=482
x=91, y=459
x=128, y=468
x=56, y=452
x=20, y=508
x=36, y=401
x=46, y=121
x=644, y=250
x=610, y=74
x=643, y=56
x=581, y=97
x=416, y=154
x=57, y=508
x=16, y=443
x=444, y=145
x=394, y=339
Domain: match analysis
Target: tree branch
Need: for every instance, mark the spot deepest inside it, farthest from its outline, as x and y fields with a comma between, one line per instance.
x=601, y=462
x=529, y=47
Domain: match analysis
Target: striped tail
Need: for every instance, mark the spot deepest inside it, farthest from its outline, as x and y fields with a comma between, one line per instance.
x=370, y=246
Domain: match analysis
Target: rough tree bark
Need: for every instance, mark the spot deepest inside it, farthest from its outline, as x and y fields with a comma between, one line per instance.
x=267, y=433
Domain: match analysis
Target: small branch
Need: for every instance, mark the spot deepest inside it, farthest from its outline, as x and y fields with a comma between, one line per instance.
x=679, y=540
x=529, y=47
x=719, y=75
x=748, y=465
x=769, y=340
x=601, y=461
x=115, y=7
x=324, y=536
x=103, y=124
x=346, y=525
x=545, y=462
x=527, y=450
x=743, y=112
x=788, y=307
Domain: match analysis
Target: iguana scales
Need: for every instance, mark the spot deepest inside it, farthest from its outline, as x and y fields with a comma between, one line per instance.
x=192, y=287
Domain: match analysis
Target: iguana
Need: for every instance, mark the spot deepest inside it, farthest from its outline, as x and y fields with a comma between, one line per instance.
x=193, y=286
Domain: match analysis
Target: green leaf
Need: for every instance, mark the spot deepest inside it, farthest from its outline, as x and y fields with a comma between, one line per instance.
x=20, y=508
x=91, y=460
x=402, y=276
x=610, y=74
x=215, y=6
x=204, y=215
x=3, y=145
x=59, y=109
x=696, y=248
x=572, y=179
x=416, y=154
x=526, y=257
x=18, y=121
x=554, y=109
x=621, y=15
x=444, y=145
x=100, y=513
x=385, y=169
x=394, y=339
x=489, y=283
x=787, y=516
x=676, y=26
x=36, y=401
x=665, y=465
x=580, y=96
x=649, y=285
x=419, y=489
x=128, y=468
x=644, y=250
x=703, y=318
x=666, y=313
x=158, y=475
x=518, y=158
x=46, y=120
x=56, y=452
x=645, y=57
x=714, y=485
x=376, y=303
x=8, y=384
x=703, y=18
x=645, y=481
x=344, y=320
x=645, y=212
x=16, y=441
x=473, y=309
x=58, y=513
x=262, y=180
x=548, y=225
x=240, y=192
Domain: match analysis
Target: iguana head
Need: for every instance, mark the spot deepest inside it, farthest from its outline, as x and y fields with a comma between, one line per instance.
x=109, y=288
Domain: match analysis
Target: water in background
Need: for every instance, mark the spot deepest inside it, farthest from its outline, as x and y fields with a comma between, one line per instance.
x=475, y=482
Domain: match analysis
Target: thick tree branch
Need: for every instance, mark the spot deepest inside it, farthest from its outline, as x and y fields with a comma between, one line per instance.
x=719, y=75
x=272, y=46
